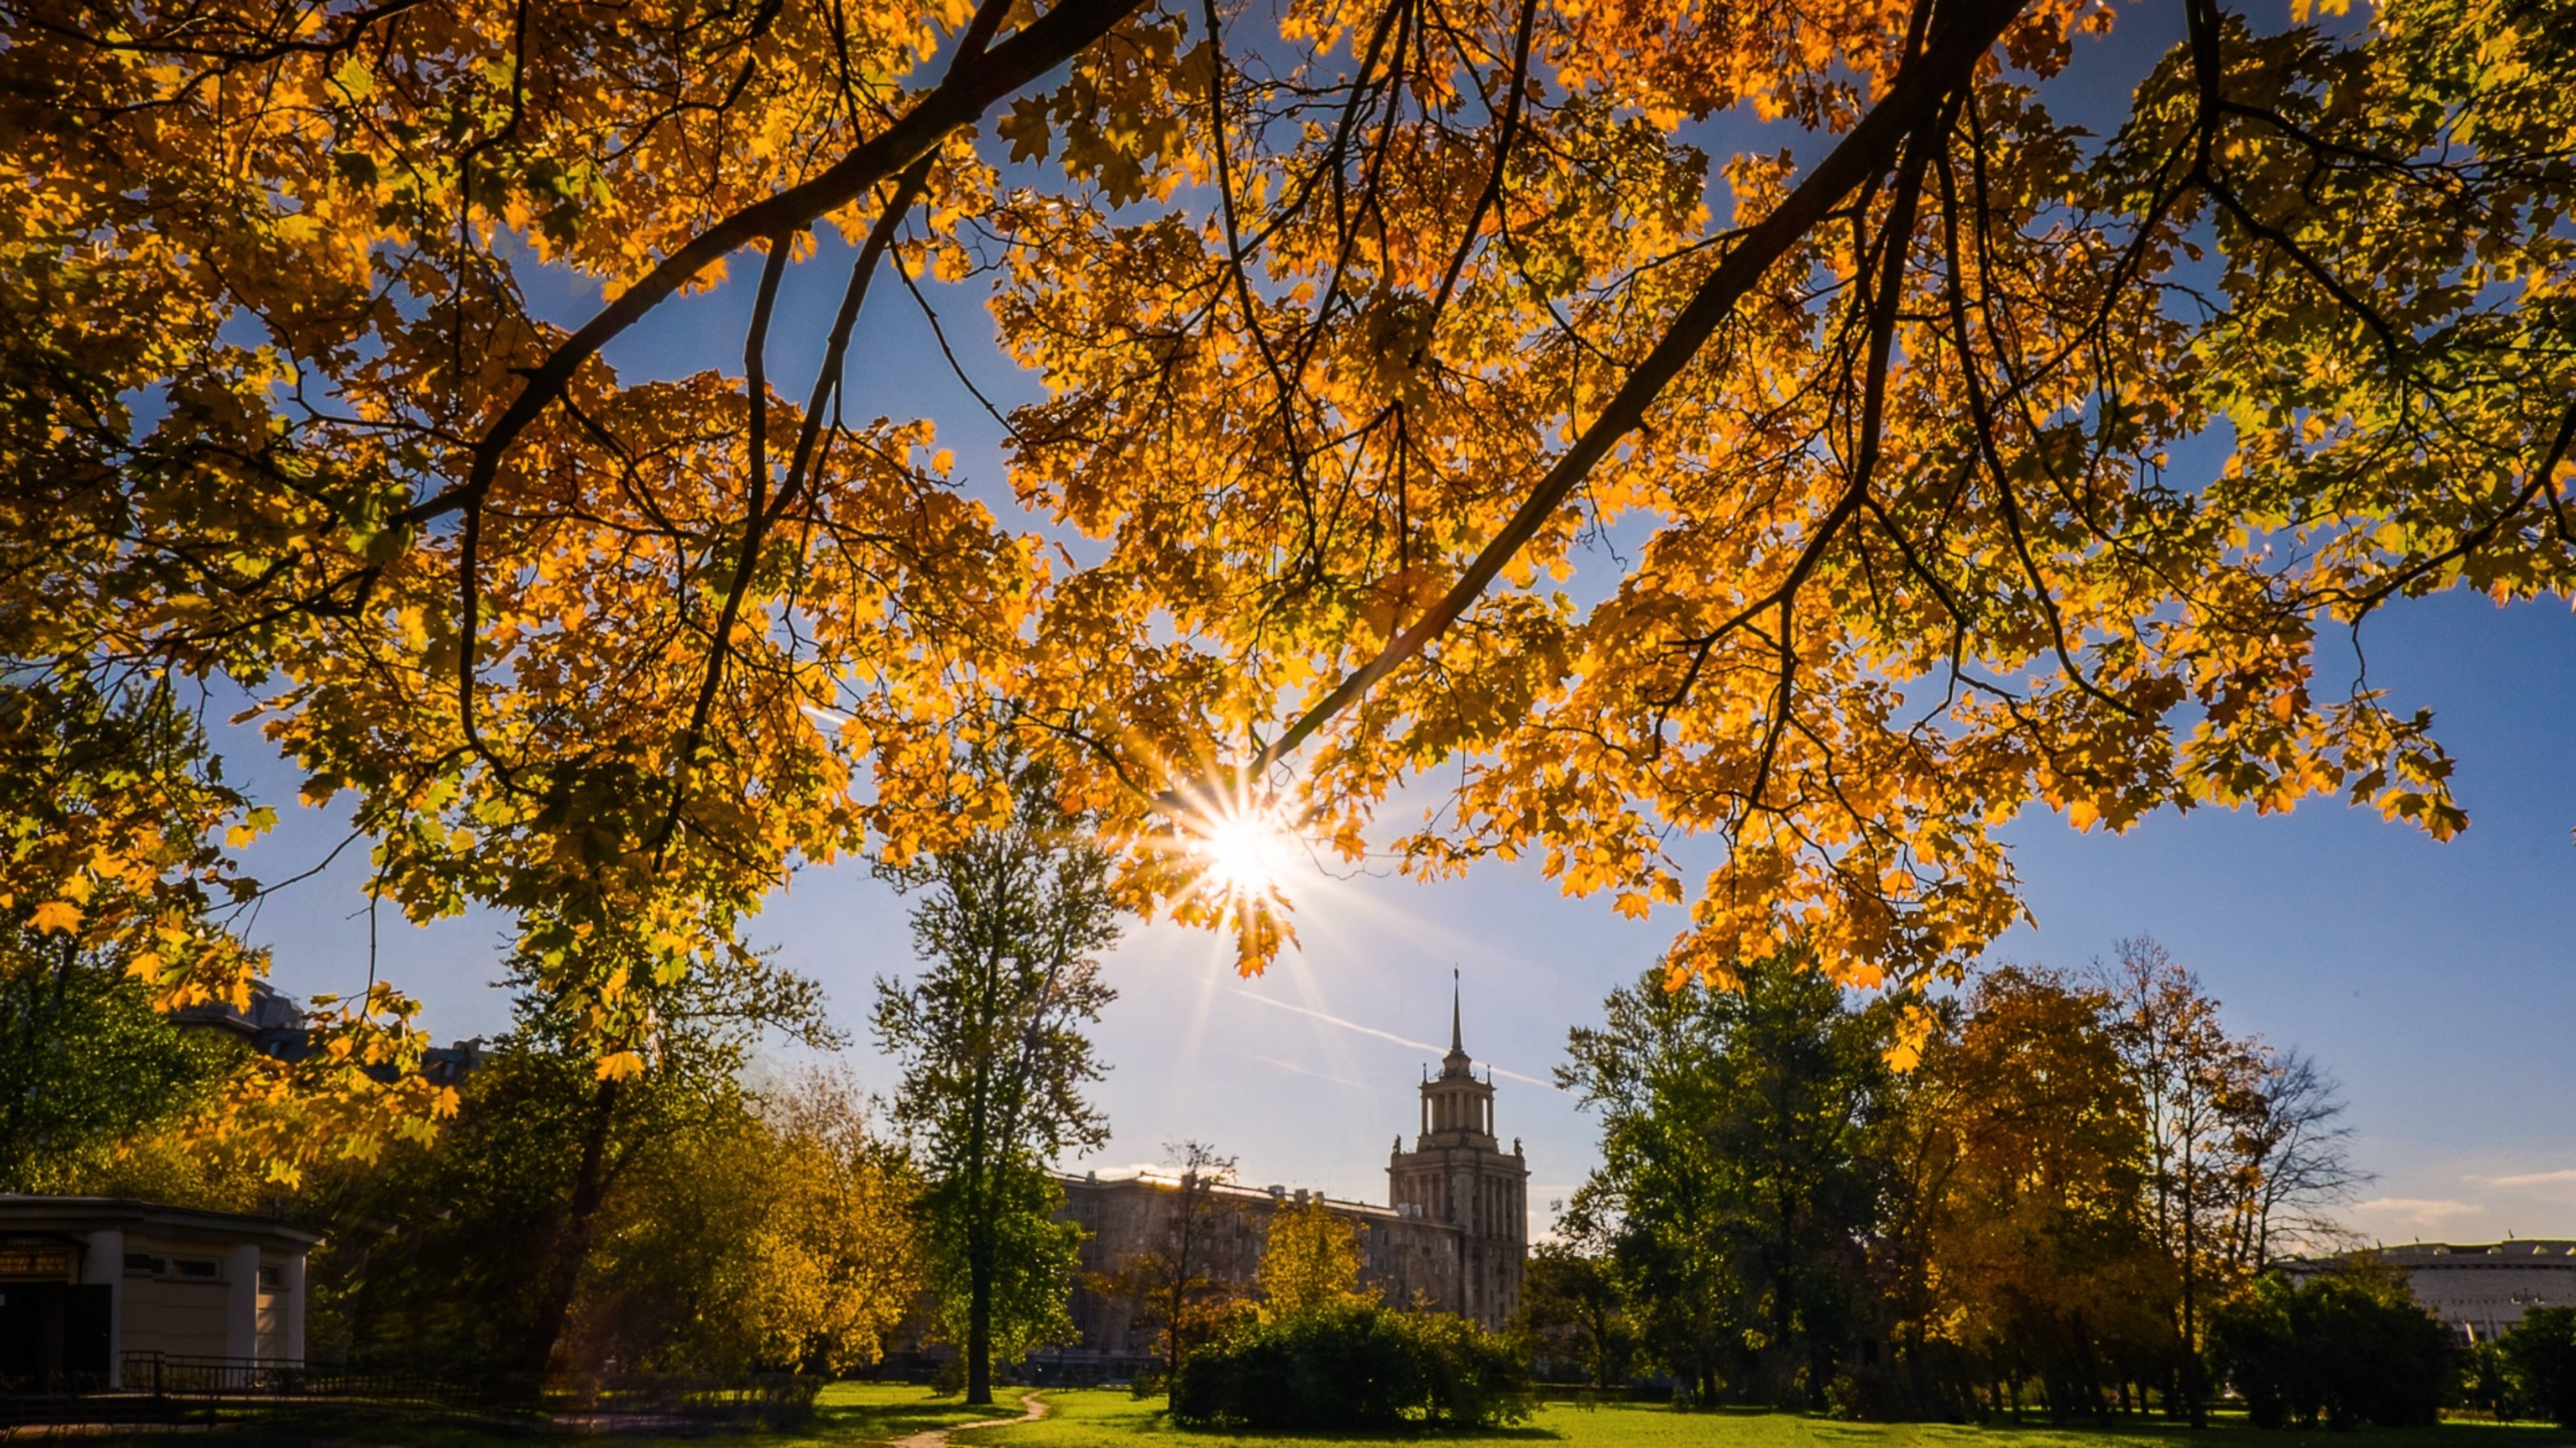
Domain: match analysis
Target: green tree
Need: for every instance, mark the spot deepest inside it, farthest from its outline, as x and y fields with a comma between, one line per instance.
x=1737, y=1177
x=1011, y=922
x=1571, y=1311
x=2540, y=1363
x=2349, y=1348
x=86, y=1063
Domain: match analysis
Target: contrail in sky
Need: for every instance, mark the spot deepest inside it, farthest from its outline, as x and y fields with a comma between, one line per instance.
x=1382, y=1035
x=1318, y=1075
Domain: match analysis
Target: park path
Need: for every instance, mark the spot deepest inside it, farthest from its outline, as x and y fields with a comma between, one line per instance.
x=1032, y=1408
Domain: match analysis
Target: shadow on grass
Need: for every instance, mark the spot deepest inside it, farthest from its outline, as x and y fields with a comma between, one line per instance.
x=1409, y=1433
x=884, y=1422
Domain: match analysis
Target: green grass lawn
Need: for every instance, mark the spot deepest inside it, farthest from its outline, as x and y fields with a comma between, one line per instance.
x=1090, y=1418
x=857, y=1415
x=846, y=1415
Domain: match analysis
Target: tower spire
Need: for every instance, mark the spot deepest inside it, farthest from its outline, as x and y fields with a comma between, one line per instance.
x=1456, y=1046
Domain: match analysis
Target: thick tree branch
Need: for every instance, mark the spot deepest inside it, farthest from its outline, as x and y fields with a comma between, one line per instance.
x=1948, y=64
x=972, y=86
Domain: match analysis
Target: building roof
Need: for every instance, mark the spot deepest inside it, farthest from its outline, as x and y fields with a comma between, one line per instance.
x=1275, y=1196
x=2537, y=1252
x=24, y=1213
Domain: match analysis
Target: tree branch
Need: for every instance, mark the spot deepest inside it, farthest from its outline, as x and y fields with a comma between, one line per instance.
x=1948, y=63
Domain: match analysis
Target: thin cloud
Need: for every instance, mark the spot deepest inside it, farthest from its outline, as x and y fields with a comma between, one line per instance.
x=1381, y=1035
x=2536, y=1179
x=2422, y=1211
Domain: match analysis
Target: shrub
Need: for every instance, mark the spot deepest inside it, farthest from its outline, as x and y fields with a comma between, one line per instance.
x=1351, y=1366
x=2540, y=1361
x=2349, y=1348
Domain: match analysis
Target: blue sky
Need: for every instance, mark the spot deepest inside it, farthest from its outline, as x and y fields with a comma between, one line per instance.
x=2434, y=979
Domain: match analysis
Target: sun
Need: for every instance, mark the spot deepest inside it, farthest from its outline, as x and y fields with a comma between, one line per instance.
x=1238, y=849
x=1241, y=853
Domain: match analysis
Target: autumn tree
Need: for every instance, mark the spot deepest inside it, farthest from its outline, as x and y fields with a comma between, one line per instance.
x=554, y=1145
x=1010, y=925
x=1974, y=461
x=2017, y=1244
x=1310, y=1262
x=736, y=1230
x=834, y=1265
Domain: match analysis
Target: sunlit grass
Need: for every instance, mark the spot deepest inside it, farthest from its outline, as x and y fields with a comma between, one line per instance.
x=863, y=1415
x=1094, y=1418
x=846, y=1415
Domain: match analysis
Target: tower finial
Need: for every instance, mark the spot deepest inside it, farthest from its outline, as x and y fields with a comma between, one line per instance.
x=1455, y=1043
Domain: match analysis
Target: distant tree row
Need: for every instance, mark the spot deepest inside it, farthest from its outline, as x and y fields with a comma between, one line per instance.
x=2045, y=1209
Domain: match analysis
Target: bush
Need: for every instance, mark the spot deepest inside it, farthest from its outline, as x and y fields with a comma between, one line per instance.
x=2540, y=1362
x=1352, y=1366
x=2350, y=1348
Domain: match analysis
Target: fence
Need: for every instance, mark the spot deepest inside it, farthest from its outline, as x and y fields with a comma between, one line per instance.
x=174, y=1375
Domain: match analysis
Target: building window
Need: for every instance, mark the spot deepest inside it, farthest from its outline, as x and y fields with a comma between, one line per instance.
x=29, y=1259
x=272, y=1279
x=183, y=1269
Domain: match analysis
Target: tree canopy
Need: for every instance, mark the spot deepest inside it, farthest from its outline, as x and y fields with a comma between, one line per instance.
x=1946, y=459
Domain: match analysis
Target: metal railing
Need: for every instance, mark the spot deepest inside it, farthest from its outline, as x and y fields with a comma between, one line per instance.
x=180, y=1375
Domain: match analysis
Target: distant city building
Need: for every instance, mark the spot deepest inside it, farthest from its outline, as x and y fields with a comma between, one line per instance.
x=272, y=1024
x=1453, y=1236
x=276, y=1026
x=91, y=1286
x=2480, y=1290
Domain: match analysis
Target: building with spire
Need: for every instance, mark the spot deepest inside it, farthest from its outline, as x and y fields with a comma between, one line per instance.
x=1452, y=1236
x=1458, y=1173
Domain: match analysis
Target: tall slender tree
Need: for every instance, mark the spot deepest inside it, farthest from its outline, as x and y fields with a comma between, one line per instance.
x=2299, y=1158
x=2196, y=1087
x=1010, y=926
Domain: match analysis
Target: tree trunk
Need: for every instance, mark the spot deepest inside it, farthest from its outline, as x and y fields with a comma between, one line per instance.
x=572, y=1244
x=979, y=1315
x=2095, y=1400
x=2191, y=1386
